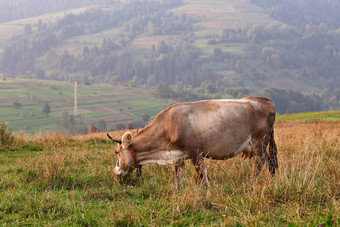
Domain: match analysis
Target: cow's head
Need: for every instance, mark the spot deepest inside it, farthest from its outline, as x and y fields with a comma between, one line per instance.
x=125, y=163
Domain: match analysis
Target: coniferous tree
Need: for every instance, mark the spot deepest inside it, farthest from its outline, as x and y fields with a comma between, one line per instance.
x=46, y=109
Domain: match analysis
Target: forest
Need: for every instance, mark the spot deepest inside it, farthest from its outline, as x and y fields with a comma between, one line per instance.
x=296, y=59
x=301, y=13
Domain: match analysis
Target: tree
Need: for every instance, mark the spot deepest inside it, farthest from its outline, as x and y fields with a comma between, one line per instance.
x=218, y=55
x=114, y=80
x=41, y=74
x=40, y=24
x=68, y=121
x=16, y=105
x=120, y=126
x=164, y=91
x=28, y=29
x=101, y=125
x=46, y=109
x=209, y=86
x=129, y=126
x=146, y=117
x=338, y=95
x=162, y=48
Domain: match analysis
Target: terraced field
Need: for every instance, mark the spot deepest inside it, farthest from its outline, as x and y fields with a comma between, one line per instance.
x=114, y=104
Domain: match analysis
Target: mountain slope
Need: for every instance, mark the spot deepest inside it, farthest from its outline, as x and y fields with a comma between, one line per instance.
x=184, y=43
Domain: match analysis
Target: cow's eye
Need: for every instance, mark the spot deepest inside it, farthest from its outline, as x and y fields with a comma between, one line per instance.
x=116, y=152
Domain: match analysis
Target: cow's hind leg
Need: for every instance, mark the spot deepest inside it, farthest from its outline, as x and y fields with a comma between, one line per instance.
x=260, y=158
x=259, y=161
x=201, y=169
x=273, y=165
x=179, y=168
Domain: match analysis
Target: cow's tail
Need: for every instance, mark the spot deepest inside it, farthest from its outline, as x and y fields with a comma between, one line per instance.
x=273, y=165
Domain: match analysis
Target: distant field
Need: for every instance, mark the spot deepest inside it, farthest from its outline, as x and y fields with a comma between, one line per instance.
x=207, y=50
x=326, y=115
x=222, y=15
x=114, y=104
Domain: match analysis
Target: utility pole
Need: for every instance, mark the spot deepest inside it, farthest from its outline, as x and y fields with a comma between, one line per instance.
x=75, y=100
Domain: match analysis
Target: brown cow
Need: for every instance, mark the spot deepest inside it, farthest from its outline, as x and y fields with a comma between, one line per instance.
x=217, y=129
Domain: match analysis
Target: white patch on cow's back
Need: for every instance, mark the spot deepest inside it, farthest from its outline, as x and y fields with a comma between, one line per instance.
x=165, y=157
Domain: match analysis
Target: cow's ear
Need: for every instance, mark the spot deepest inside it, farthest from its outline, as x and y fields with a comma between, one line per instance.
x=127, y=139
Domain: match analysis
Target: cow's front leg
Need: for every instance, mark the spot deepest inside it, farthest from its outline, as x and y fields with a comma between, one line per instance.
x=201, y=169
x=179, y=168
x=139, y=171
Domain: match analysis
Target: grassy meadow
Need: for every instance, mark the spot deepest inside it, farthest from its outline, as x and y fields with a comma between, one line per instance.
x=68, y=180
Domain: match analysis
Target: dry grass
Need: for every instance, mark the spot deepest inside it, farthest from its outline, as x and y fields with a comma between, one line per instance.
x=70, y=182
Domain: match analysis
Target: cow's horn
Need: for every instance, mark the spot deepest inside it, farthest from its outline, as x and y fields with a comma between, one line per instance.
x=114, y=140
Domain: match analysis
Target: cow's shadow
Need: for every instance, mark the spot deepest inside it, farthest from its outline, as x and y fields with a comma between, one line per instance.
x=130, y=181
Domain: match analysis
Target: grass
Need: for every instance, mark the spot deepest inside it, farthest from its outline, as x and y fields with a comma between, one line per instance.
x=326, y=115
x=57, y=180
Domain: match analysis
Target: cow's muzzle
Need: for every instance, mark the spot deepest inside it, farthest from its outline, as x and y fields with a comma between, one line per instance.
x=117, y=171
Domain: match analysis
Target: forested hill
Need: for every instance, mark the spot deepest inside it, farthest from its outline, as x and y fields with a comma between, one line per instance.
x=288, y=50
x=302, y=13
x=19, y=9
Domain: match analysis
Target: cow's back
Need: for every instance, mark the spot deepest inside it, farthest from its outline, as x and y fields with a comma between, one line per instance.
x=220, y=128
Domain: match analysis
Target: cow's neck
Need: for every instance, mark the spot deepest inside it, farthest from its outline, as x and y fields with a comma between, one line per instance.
x=161, y=157
x=152, y=146
x=151, y=137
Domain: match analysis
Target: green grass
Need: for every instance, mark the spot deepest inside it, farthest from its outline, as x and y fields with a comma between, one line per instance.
x=326, y=115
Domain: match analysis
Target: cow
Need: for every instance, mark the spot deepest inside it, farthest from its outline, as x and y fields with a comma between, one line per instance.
x=217, y=129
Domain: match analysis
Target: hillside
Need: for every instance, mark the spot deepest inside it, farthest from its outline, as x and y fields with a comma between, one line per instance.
x=249, y=44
